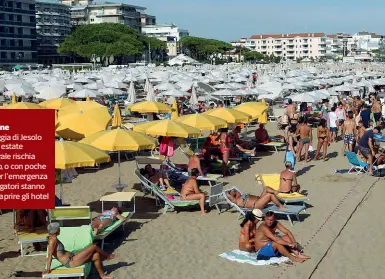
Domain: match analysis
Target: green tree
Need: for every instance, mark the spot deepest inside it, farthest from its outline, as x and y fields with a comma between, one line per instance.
x=253, y=56
x=201, y=48
x=107, y=40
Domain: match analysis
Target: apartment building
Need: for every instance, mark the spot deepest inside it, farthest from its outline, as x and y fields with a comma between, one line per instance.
x=52, y=25
x=289, y=46
x=239, y=43
x=146, y=19
x=84, y=12
x=17, y=32
x=169, y=33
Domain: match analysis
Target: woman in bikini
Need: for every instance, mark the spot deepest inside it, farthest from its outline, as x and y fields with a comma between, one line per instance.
x=248, y=230
x=293, y=117
x=224, y=141
x=57, y=250
x=323, y=134
x=290, y=147
x=288, y=180
x=252, y=201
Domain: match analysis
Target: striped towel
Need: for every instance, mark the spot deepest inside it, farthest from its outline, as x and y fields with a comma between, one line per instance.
x=251, y=258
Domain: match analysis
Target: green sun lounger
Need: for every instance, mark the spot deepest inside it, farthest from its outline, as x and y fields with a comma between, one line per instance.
x=74, y=240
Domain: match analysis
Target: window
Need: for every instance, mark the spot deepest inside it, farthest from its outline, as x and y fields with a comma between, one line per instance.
x=10, y=4
x=18, y=5
x=12, y=42
x=31, y=7
x=13, y=55
x=10, y=17
x=21, y=43
x=4, y=55
x=19, y=18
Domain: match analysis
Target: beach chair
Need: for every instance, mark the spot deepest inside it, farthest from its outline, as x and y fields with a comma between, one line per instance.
x=147, y=186
x=24, y=238
x=116, y=197
x=273, y=181
x=74, y=240
x=356, y=164
x=273, y=144
x=216, y=196
x=291, y=209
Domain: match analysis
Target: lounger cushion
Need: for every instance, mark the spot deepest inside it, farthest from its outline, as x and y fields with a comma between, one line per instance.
x=178, y=202
x=40, y=235
x=273, y=181
x=74, y=240
x=114, y=225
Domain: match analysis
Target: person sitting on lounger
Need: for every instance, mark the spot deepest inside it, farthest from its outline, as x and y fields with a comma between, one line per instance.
x=156, y=177
x=105, y=219
x=261, y=134
x=69, y=259
x=248, y=230
x=269, y=245
x=190, y=190
x=238, y=148
x=288, y=180
x=252, y=201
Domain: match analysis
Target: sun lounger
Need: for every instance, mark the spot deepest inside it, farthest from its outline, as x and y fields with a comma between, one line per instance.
x=216, y=196
x=147, y=186
x=74, y=240
x=116, y=197
x=356, y=164
x=38, y=236
x=273, y=181
x=276, y=145
x=292, y=209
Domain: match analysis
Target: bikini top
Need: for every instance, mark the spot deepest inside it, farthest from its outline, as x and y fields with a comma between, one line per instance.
x=60, y=246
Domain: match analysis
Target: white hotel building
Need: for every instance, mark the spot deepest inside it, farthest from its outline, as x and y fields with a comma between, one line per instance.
x=289, y=46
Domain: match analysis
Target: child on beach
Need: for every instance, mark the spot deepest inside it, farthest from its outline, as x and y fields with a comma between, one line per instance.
x=105, y=219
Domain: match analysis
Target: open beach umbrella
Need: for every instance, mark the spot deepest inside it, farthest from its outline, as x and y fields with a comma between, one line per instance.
x=255, y=109
x=203, y=121
x=70, y=155
x=56, y=103
x=117, y=118
x=82, y=119
x=23, y=105
x=174, y=113
x=231, y=116
x=263, y=118
x=150, y=107
x=120, y=140
x=167, y=128
x=84, y=93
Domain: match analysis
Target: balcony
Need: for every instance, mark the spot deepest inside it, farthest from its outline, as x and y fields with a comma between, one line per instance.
x=15, y=23
x=25, y=48
x=17, y=11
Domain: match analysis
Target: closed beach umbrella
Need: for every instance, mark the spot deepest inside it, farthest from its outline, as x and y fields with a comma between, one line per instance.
x=131, y=93
x=263, y=118
x=117, y=119
x=174, y=114
x=82, y=119
x=167, y=128
x=203, y=121
x=14, y=98
x=255, y=109
x=231, y=116
x=57, y=103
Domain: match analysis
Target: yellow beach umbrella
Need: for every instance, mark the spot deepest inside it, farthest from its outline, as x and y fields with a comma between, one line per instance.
x=174, y=114
x=14, y=98
x=119, y=140
x=117, y=119
x=231, y=116
x=23, y=105
x=82, y=119
x=167, y=128
x=255, y=109
x=203, y=121
x=263, y=118
x=150, y=107
x=57, y=103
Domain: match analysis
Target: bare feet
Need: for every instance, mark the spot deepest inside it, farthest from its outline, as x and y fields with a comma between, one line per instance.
x=110, y=257
x=282, y=207
x=204, y=213
x=106, y=277
x=298, y=259
x=303, y=256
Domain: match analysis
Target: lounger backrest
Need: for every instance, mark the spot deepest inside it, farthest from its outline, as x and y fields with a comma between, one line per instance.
x=352, y=158
x=216, y=194
x=270, y=180
x=62, y=213
x=144, y=181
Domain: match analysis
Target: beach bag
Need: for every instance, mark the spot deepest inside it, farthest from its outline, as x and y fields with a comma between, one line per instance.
x=166, y=147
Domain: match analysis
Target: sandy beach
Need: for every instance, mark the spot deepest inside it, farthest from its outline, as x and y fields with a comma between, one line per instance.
x=343, y=243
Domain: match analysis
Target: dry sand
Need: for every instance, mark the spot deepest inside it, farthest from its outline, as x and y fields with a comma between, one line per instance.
x=187, y=245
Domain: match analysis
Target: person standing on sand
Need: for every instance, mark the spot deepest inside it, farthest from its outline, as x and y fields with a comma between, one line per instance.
x=269, y=245
x=248, y=230
x=349, y=133
x=376, y=109
x=305, y=139
x=333, y=124
x=323, y=135
x=190, y=190
x=365, y=145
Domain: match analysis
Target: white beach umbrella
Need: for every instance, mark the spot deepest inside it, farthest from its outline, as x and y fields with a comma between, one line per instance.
x=224, y=92
x=19, y=90
x=304, y=97
x=115, y=84
x=236, y=85
x=112, y=91
x=147, y=85
x=84, y=93
x=131, y=93
x=193, y=100
x=166, y=86
x=95, y=86
x=51, y=92
x=150, y=93
x=75, y=86
x=174, y=93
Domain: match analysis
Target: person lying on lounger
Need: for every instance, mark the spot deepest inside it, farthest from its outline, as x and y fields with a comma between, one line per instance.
x=156, y=177
x=57, y=250
x=252, y=201
x=105, y=219
x=288, y=180
x=248, y=230
x=269, y=245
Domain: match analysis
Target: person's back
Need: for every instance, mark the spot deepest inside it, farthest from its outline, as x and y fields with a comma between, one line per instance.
x=304, y=131
x=188, y=187
x=350, y=126
x=364, y=140
x=286, y=181
x=332, y=119
x=365, y=117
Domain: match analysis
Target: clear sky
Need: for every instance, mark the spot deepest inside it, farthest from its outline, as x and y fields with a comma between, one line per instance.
x=232, y=19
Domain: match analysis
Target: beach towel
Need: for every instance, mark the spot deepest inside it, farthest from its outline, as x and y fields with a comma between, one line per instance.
x=251, y=258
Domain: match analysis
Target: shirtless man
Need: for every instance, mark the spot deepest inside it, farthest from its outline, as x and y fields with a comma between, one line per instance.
x=288, y=180
x=270, y=245
x=252, y=201
x=190, y=190
x=349, y=132
x=376, y=109
x=194, y=162
x=306, y=138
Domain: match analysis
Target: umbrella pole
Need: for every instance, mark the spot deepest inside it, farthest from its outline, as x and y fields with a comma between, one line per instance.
x=61, y=191
x=119, y=167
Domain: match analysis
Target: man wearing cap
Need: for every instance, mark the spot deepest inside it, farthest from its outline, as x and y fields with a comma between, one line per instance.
x=366, y=147
x=269, y=245
x=248, y=230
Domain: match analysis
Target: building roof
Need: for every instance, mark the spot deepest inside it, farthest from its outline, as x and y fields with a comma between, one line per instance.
x=112, y=4
x=147, y=15
x=283, y=36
